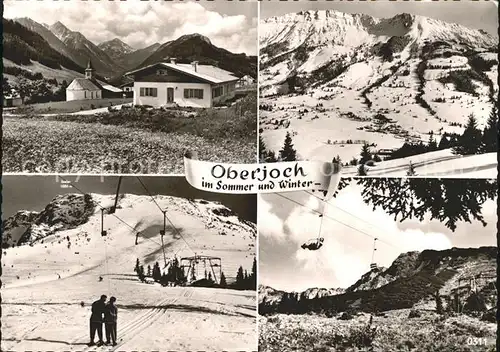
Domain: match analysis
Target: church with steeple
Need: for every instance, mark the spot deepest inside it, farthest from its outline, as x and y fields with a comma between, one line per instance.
x=85, y=88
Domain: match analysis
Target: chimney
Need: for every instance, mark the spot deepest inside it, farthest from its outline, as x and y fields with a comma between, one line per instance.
x=172, y=60
x=195, y=66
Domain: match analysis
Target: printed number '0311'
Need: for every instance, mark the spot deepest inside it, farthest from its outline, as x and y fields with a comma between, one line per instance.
x=477, y=341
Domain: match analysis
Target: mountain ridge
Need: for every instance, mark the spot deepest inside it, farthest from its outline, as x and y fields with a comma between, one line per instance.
x=78, y=43
x=412, y=278
x=72, y=210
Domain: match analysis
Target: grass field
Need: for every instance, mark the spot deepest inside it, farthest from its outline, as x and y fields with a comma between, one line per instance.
x=393, y=331
x=129, y=140
x=64, y=107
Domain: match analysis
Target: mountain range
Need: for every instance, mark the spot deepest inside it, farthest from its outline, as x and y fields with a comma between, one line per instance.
x=412, y=280
x=111, y=58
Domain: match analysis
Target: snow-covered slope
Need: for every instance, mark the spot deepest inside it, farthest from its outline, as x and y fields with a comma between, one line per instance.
x=331, y=76
x=49, y=275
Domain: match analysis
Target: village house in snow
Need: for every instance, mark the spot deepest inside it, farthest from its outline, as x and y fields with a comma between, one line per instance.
x=186, y=85
x=89, y=88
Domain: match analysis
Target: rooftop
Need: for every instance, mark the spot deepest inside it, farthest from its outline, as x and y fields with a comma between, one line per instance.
x=83, y=84
x=212, y=74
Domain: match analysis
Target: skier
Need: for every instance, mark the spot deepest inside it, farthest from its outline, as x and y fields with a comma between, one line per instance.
x=100, y=278
x=96, y=320
x=110, y=320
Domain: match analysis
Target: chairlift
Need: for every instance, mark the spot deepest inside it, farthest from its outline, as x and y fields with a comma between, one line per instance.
x=313, y=244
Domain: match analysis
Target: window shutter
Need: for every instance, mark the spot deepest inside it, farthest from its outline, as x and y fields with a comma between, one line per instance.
x=201, y=93
x=155, y=92
x=186, y=93
x=141, y=92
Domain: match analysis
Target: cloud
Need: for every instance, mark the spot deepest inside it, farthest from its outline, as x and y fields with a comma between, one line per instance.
x=270, y=225
x=141, y=24
x=349, y=228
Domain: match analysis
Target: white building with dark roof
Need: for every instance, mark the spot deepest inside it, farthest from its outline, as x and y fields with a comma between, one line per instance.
x=187, y=85
x=84, y=88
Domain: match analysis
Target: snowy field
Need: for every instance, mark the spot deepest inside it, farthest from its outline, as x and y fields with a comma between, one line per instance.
x=41, y=311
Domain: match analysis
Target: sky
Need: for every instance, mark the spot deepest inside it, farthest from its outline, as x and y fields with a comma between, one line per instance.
x=230, y=25
x=348, y=228
x=473, y=14
x=35, y=192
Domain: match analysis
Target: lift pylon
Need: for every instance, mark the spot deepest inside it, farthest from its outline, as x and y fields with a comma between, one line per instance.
x=103, y=232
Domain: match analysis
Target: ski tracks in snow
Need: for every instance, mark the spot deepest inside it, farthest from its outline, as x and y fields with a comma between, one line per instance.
x=132, y=327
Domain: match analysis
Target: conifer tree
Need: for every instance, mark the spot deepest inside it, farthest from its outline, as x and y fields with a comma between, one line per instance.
x=240, y=277
x=432, y=146
x=470, y=142
x=157, y=272
x=253, y=275
x=137, y=266
x=366, y=154
x=288, y=153
x=149, y=271
x=362, y=171
x=140, y=273
x=444, y=143
x=490, y=133
x=223, y=282
x=210, y=277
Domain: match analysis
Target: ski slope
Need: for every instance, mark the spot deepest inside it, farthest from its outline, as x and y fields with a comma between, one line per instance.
x=436, y=164
x=41, y=311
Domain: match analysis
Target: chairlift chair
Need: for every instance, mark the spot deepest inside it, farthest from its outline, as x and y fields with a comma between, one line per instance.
x=313, y=244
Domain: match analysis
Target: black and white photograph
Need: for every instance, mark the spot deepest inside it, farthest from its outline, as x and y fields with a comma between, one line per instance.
x=387, y=88
x=126, y=263
x=126, y=87
x=392, y=264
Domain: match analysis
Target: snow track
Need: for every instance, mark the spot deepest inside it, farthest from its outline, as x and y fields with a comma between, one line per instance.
x=44, y=313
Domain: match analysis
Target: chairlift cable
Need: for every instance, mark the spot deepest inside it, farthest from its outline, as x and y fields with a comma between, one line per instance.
x=102, y=208
x=164, y=214
x=329, y=217
x=374, y=249
x=345, y=211
x=147, y=191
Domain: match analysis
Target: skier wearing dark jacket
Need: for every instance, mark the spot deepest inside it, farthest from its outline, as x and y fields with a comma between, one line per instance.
x=96, y=320
x=110, y=320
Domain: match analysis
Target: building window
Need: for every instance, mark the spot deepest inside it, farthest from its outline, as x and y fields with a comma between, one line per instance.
x=161, y=72
x=148, y=92
x=193, y=93
x=217, y=92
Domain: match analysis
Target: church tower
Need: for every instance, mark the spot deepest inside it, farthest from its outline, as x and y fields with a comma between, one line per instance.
x=89, y=71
